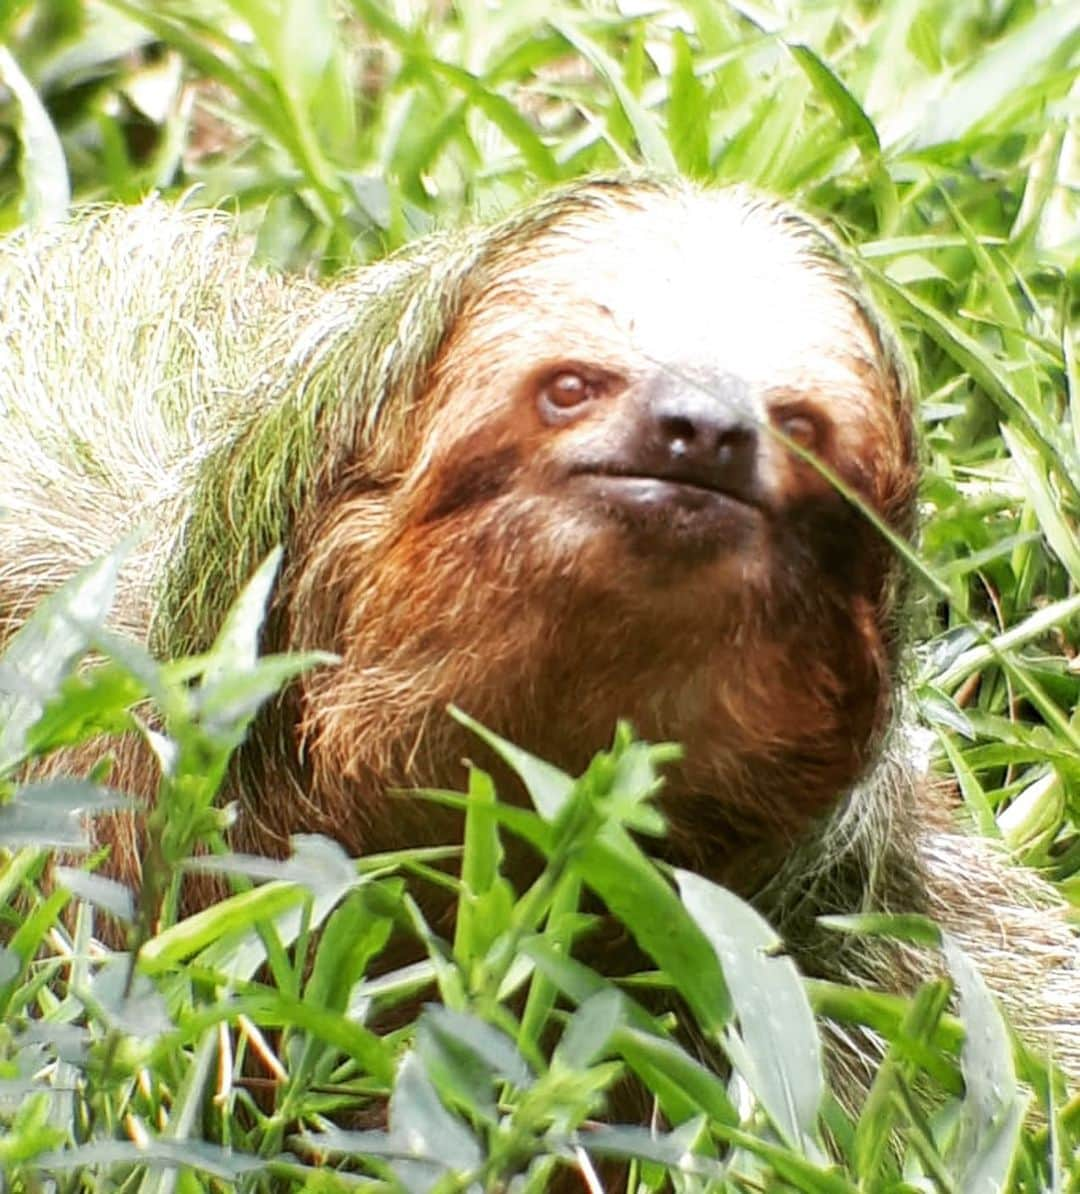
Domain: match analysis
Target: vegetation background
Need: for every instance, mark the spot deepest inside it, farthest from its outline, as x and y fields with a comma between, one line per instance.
x=942, y=138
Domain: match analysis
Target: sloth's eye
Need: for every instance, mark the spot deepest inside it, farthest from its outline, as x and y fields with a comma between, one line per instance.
x=800, y=427
x=567, y=389
x=560, y=394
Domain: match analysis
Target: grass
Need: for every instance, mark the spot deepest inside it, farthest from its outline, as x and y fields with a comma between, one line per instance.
x=941, y=138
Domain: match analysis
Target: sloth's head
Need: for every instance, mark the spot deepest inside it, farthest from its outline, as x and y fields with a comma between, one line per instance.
x=619, y=381
x=598, y=511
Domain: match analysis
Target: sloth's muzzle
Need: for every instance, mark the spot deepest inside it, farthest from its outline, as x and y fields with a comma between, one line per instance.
x=688, y=469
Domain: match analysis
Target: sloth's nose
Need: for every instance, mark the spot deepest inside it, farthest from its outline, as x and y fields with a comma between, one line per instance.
x=707, y=437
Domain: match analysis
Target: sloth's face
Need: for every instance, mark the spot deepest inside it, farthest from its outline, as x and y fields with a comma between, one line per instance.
x=605, y=515
x=629, y=388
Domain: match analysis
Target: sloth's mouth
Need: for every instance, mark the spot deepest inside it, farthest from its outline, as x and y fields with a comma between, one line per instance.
x=677, y=488
x=665, y=514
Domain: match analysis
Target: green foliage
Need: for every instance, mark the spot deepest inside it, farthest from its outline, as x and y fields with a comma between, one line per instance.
x=233, y=1043
x=941, y=138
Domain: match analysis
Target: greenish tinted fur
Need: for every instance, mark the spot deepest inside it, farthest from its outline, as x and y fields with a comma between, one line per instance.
x=252, y=486
x=365, y=387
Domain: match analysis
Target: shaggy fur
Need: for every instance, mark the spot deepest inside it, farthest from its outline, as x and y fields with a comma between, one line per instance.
x=449, y=444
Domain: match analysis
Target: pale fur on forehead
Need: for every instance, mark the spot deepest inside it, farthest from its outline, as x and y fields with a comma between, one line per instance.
x=710, y=284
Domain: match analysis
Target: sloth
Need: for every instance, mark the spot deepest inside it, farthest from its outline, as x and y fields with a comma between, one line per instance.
x=611, y=457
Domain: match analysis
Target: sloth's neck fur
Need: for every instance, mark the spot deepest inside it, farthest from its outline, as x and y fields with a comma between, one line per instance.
x=856, y=857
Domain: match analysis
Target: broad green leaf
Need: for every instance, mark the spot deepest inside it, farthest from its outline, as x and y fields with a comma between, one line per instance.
x=1033, y=818
x=776, y=1048
x=590, y=1028
x=43, y=651
x=994, y=1105
x=633, y=889
x=354, y=934
x=436, y=1138
x=225, y=1164
x=229, y=919
x=9, y=965
x=684, y=1085
x=939, y=710
x=484, y=905
x=115, y=898
x=46, y=191
x=910, y=927
x=237, y=642
x=669, y=1149
x=492, y=1046
x=548, y=787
